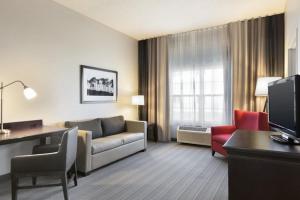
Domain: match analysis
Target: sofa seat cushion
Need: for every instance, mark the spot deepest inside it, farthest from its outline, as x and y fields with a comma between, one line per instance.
x=131, y=137
x=106, y=143
x=221, y=138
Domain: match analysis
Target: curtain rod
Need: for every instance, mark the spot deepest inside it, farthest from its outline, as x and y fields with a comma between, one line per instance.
x=213, y=27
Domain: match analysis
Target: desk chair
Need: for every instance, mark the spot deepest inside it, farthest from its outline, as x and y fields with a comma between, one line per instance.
x=55, y=164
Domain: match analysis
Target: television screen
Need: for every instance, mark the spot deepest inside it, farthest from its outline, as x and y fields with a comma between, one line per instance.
x=282, y=105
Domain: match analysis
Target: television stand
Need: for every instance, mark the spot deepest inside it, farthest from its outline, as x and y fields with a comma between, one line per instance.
x=284, y=139
x=260, y=168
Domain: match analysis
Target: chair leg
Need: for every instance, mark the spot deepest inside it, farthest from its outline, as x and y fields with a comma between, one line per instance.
x=213, y=152
x=75, y=174
x=14, y=187
x=34, y=181
x=64, y=182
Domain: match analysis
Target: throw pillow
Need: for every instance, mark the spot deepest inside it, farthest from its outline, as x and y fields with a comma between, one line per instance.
x=113, y=125
x=89, y=125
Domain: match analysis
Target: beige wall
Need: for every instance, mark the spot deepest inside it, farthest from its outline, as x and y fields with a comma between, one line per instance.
x=43, y=44
x=292, y=21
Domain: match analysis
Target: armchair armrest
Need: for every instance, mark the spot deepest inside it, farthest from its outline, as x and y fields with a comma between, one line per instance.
x=137, y=127
x=217, y=130
x=84, y=151
x=36, y=163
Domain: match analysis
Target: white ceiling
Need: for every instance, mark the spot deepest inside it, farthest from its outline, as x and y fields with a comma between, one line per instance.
x=142, y=19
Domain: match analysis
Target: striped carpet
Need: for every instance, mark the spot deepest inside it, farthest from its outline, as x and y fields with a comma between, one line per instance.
x=166, y=171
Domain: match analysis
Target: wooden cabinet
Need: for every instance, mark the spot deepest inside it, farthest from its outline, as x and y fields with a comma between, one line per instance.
x=262, y=169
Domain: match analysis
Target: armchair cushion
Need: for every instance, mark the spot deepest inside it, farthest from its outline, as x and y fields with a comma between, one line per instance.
x=89, y=125
x=113, y=125
x=217, y=130
x=221, y=138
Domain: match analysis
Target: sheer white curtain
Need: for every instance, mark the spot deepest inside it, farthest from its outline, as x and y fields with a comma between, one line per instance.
x=199, y=78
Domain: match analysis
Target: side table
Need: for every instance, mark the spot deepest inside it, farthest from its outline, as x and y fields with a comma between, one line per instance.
x=152, y=132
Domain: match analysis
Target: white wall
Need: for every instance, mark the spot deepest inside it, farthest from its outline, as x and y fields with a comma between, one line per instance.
x=43, y=43
x=292, y=21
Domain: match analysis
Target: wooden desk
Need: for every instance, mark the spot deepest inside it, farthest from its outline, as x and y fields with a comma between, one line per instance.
x=29, y=130
x=261, y=169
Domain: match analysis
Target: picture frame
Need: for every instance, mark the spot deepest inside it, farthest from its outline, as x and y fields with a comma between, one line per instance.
x=98, y=85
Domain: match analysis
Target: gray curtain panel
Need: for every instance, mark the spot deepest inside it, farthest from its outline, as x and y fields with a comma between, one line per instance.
x=143, y=77
x=153, y=79
x=257, y=50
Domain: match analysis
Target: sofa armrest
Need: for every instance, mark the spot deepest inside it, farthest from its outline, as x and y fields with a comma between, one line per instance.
x=137, y=127
x=217, y=130
x=84, y=151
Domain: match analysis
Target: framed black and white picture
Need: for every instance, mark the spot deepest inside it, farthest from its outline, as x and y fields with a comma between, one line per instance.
x=98, y=85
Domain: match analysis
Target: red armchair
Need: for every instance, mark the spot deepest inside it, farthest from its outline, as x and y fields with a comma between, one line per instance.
x=242, y=120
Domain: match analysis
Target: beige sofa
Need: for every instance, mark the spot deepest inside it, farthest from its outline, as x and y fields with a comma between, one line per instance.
x=95, y=153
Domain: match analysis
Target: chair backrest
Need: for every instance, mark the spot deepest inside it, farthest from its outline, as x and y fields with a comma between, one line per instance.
x=68, y=147
x=251, y=120
x=264, y=121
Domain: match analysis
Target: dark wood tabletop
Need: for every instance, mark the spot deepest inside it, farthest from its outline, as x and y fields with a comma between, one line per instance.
x=260, y=142
x=18, y=135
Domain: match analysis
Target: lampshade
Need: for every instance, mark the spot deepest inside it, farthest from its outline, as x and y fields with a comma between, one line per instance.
x=29, y=93
x=262, y=85
x=137, y=100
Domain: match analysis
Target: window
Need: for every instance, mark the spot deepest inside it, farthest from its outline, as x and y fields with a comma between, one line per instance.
x=199, y=78
x=197, y=96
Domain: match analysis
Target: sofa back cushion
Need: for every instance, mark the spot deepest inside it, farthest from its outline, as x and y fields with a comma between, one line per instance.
x=113, y=125
x=89, y=125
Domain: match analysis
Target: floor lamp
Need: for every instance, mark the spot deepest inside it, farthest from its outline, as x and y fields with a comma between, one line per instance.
x=261, y=89
x=28, y=93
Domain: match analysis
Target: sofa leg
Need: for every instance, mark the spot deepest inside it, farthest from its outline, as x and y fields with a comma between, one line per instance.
x=34, y=181
x=83, y=173
x=143, y=150
x=213, y=152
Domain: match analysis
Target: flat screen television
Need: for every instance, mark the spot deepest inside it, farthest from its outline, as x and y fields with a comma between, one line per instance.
x=284, y=107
